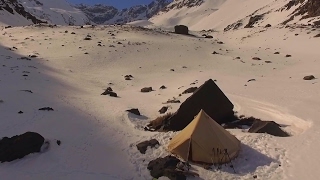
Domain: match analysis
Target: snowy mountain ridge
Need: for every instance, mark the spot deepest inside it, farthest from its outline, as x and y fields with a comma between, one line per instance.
x=233, y=14
x=24, y=12
x=104, y=14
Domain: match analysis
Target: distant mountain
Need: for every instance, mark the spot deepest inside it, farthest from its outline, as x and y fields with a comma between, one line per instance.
x=103, y=14
x=35, y=11
x=13, y=13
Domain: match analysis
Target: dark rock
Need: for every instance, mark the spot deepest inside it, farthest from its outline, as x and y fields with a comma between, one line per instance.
x=190, y=90
x=20, y=112
x=46, y=109
x=181, y=29
x=310, y=77
x=256, y=58
x=238, y=58
x=73, y=33
x=268, y=25
x=87, y=38
x=208, y=97
x=158, y=123
x=146, y=89
x=163, y=110
x=163, y=87
x=158, y=166
x=208, y=36
x=318, y=35
x=25, y=58
x=220, y=42
x=268, y=62
x=143, y=146
x=269, y=127
x=128, y=77
x=134, y=111
x=251, y=80
x=173, y=101
x=113, y=94
x=214, y=52
x=107, y=91
x=288, y=55
x=255, y=176
x=240, y=121
x=58, y=142
x=19, y=146
x=277, y=53
x=253, y=20
x=33, y=56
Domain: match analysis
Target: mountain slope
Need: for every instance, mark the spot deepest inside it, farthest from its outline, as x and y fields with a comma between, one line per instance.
x=24, y=12
x=56, y=12
x=233, y=14
x=103, y=14
x=13, y=13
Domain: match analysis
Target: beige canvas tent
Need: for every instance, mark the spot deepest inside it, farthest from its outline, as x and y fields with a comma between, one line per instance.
x=205, y=141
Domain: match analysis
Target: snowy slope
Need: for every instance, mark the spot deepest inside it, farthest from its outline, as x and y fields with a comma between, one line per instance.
x=56, y=12
x=219, y=14
x=25, y=12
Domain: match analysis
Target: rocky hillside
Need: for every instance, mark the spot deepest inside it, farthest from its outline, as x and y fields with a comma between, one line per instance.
x=103, y=14
x=36, y=11
x=14, y=8
x=98, y=13
x=178, y=4
x=306, y=9
x=232, y=14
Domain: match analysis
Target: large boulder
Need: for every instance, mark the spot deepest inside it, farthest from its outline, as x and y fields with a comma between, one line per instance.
x=208, y=97
x=143, y=146
x=19, y=146
x=165, y=167
x=181, y=29
x=269, y=127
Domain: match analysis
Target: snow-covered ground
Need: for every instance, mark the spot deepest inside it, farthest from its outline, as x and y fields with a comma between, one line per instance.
x=98, y=137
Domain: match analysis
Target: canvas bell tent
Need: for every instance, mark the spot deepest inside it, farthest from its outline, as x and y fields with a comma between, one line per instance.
x=205, y=141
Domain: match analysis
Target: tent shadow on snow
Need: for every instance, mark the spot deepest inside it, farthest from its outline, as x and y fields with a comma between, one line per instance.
x=247, y=162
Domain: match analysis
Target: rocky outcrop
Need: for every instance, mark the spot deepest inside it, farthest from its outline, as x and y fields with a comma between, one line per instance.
x=19, y=146
x=306, y=9
x=183, y=3
x=208, y=97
